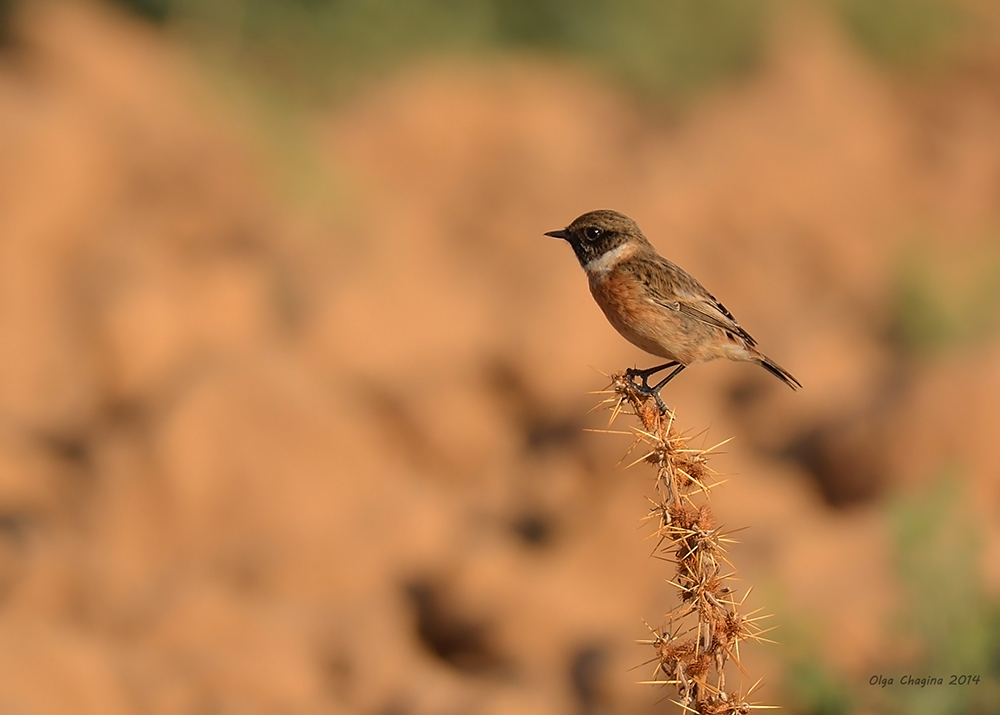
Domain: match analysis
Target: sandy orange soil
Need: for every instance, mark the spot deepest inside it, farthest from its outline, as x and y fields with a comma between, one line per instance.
x=274, y=449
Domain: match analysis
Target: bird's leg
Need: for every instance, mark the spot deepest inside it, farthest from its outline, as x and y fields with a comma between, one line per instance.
x=633, y=373
x=668, y=378
x=648, y=391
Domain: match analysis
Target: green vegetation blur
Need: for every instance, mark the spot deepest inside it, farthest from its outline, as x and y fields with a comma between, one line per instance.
x=946, y=299
x=320, y=48
x=947, y=625
x=948, y=615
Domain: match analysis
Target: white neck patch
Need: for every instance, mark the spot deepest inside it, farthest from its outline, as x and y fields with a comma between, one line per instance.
x=602, y=264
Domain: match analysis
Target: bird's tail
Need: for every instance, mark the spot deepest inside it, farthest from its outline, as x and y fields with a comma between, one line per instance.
x=779, y=372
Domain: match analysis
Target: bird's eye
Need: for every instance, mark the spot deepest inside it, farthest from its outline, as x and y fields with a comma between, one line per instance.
x=593, y=233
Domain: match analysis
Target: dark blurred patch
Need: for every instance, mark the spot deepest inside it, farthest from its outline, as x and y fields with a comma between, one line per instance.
x=289, y=303
x=15, y=550
x=746, y=394
x=844, y=458
x=542, y=427
x=6, y=11
x=588, y=678
x=156, y=11
x=403, y=430
x=73, y=449
x=338, y=671
x=844, y=453
x=529, y=22
x=394, y=707
x=15, y=524
x=543, y=431
x=133, y=413
x=533, y=529
x=461, y=641
x=75, y=473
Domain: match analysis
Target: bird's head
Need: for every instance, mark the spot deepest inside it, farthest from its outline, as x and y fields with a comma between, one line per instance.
x=602, y=234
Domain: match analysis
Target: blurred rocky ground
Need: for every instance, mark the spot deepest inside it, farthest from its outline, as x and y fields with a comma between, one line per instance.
x=265, y=454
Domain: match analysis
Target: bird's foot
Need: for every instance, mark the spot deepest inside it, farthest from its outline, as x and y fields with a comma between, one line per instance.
x=644, y=388
x=632, y=373
x=652, y=391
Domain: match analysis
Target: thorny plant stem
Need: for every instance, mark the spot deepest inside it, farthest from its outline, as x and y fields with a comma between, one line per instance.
x=703, y=632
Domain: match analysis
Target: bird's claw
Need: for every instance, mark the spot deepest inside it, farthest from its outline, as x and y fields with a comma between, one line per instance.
x=644, y=389
x=633, y=372
x=654, y=391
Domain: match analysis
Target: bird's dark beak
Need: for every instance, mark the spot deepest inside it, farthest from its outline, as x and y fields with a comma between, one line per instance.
x=561, y=233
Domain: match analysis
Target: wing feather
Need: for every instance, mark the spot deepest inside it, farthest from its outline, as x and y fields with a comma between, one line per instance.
x=689, y=297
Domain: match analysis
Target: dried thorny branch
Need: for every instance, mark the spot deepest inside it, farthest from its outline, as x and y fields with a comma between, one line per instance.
x=703, y=632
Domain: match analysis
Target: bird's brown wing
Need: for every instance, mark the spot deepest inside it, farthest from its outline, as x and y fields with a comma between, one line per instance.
x=689, y=297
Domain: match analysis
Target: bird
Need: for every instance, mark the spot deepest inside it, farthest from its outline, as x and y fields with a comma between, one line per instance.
x=655, y=304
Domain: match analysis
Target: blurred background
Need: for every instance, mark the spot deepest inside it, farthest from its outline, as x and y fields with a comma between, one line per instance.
x=293, y=390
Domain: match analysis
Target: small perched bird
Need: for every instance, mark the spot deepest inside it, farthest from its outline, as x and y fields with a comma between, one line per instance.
x=655, y=304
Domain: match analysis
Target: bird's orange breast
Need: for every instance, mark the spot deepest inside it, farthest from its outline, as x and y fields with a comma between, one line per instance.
x=622, y=299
